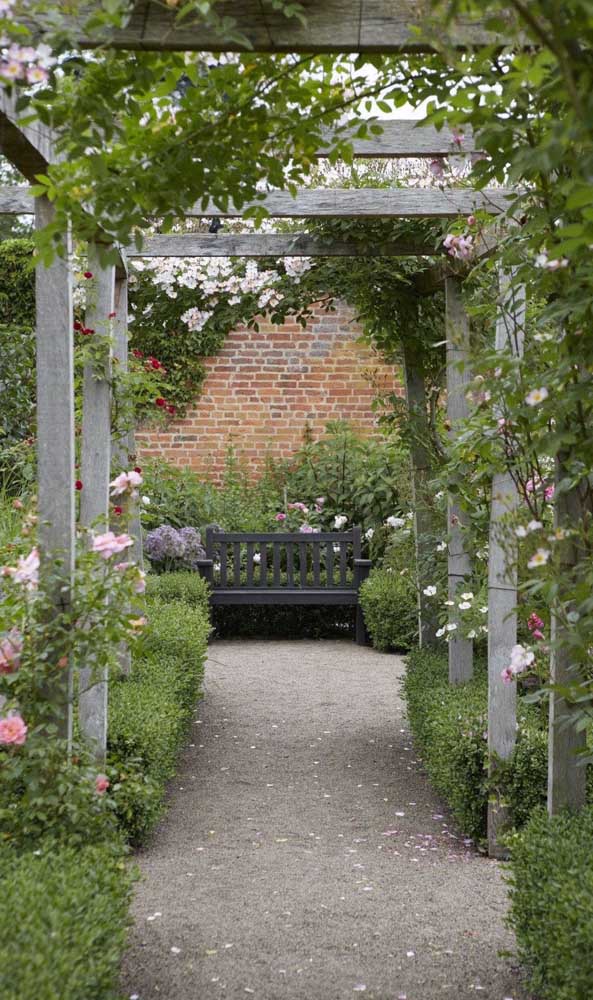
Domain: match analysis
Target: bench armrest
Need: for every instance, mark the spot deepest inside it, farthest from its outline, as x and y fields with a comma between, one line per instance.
x=362, y=568
x=206, y=570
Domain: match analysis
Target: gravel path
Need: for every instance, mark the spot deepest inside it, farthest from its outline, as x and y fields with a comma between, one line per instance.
x=304, y=855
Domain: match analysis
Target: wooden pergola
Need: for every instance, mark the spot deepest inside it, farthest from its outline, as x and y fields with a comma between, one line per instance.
x=366, y=26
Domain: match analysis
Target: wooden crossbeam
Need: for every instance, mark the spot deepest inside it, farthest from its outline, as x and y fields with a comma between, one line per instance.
x=406, y=137
x=273, y=245
x=385, y=203
x=28, y=147
x=388, y=26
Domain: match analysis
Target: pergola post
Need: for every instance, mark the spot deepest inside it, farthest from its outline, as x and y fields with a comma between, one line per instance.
x=55, y=441
x=567, y=775
x=420, y=468
x=502, y=583
x=461, y=653
x=95, y=475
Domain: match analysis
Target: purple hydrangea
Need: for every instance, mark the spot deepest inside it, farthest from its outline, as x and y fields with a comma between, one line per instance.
x=169, y=548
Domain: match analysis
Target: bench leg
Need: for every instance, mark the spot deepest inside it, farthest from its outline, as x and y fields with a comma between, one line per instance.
x=362, y=638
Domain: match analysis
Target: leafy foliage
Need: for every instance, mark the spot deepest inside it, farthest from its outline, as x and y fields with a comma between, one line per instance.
x=552, y=903
x=150, y=710
x=389, y=605
x=67, y=910
x=449, y=724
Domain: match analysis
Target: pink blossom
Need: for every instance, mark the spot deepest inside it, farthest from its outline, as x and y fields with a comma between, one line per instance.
x=320, y=501
x=125, y=481
x=280, y=516
x=537, y=634
x=457, y=136
x=306, y=529
x=140, y=582
x=534, y=621
x=101, y=784
x=13, y=730
x=437, y=168
x=471, y=220
x=549, y=492
x=11, y=647
x=27, y=570
x=110, y=544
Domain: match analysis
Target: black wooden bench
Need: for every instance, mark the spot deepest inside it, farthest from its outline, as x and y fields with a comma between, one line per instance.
x=324, y=567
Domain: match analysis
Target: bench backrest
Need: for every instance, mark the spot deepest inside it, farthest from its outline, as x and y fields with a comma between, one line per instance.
x=283, y=560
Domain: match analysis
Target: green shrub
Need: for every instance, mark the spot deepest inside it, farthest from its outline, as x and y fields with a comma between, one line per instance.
x=64, y=917
x=388, y=602
x=449, y=723
x=149, y=711
x=552, y=903
x=188, y=587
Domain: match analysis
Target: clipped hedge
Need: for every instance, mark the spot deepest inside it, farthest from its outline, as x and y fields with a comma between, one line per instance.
x=388, y=602
x=184, y=586
x=450, y=728
x=64, y=919
x=150, y=711
x=552, y=903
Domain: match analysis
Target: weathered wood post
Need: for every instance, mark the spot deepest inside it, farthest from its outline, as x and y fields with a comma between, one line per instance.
x=567, y=776
x=55, y=438
x=502, y=583
x=95, y=474
x=461, y=653
x=421, y=469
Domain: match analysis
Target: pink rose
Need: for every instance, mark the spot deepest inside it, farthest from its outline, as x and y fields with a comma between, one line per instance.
x=471, y=220
x=26, y=571
x=110, y=544
x=11, y=647
x=281, y=516
x=13, y=731
x=306, y=529
x=101, y=784
x=549, y=492
x=507, y=675
x=126, y=481
x=140, y=582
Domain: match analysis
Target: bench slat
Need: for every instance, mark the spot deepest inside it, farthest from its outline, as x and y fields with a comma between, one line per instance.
x=330, y=563
x=224, y=555
x=281, y=537
x=316, y=564
x=237, y=563
x=263, y=566
x=250, y=553
x=343, y=563
x=290, y=564
x=303, y=563
x=276, y=559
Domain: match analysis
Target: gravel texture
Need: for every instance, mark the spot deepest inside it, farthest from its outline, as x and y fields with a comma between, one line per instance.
x=304, y=855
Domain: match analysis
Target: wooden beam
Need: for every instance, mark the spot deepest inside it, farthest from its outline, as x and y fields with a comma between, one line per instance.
x=458, y=377
x=386, y=203
x=273, y=245
x=403, y=137
x=95, y=475
x=502, y=585
x=331, y=26
x=55, y=445
x=28, y=147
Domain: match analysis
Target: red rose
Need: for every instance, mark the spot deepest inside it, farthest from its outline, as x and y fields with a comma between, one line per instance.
x=118, y=510
x=138, y=470
x=87, y=331
x=155, y=364
x=88, y=274
x=171, y=409
x=137, y=353
x=159, y=401
x=111, y=315
x=77, y=325
x=78, y=484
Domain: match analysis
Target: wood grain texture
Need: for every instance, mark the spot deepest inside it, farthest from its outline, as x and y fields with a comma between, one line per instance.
x=28, y=147
x=386, y=203
x=55, y=437
x=403, y=137
x=502, y=584
x=458, y=378
x=95, y=475
x=331, y=26
x=273, y=245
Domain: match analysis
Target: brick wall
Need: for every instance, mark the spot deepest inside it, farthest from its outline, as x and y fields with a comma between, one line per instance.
x=263, y=388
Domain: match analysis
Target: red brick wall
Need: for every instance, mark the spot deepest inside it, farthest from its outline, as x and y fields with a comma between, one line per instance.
x=263, y=388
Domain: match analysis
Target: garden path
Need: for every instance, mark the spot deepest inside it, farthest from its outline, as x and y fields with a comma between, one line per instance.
x=304, y=855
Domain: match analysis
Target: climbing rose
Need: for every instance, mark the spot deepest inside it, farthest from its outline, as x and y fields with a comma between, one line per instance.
x=159, y=401
x=125, y=481
x=26, y=570
x=339, y=521
x=88, y=274
x=539, y=558
x=369, y=533
x=280, y=516
x=430, y=591
x=395, y=522
x=521, y=658
x=536, y=396
x=13, y=731
x=101, y=784
x=11, y=647
x=306, y=529
x=78, y=484
x=109, y=544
